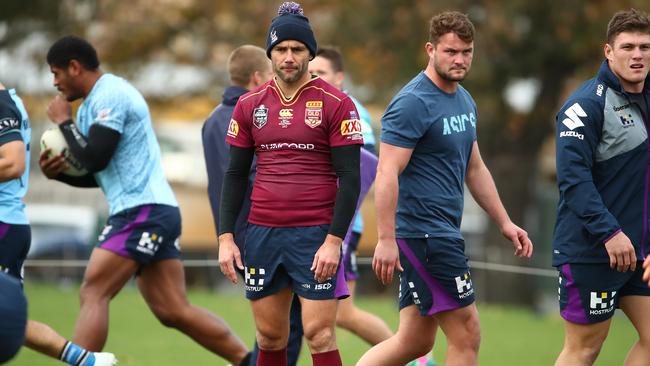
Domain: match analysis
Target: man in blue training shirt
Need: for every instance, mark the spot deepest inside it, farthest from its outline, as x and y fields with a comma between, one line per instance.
x=248, y=68
x=428, y=150
x=114, y=141
x=15, y=233
x=603, y=173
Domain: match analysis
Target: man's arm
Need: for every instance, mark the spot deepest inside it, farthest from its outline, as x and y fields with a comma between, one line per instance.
x=12, y=160
x=481, y=185
x=392, y=161
x=234, y=190
x=345, y=160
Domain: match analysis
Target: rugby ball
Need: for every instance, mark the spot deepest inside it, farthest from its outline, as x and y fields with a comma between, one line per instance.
x=53, y=138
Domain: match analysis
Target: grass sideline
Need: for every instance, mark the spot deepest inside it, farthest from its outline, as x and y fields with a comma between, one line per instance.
x=510, y=336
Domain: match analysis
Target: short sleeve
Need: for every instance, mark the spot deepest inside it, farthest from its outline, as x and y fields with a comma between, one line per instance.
x=111, y=111
x=10, y=120
x=345, y=125
x=239, y=128
x=402, y=124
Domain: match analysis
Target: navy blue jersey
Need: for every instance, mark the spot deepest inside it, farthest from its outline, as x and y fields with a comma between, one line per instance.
x=441, y=129
x=603, y=171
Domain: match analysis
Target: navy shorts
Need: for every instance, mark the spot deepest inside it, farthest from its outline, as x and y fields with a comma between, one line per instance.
x=146, y=234
x=590, y=293
x=13, y=317
x=280, y=257
x=14, y=246
x=436, y=275
x=351, y=270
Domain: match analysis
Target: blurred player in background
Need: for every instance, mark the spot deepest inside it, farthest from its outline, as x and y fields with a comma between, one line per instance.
x=306, y=135
x=13, y=317
x=603, y=167
x=15, y=233
x=428, y=152
x=248, y=68
x=114, y=141
x=328, y=65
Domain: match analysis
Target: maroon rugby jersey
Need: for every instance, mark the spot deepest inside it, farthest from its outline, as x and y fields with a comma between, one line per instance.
x=295, y=183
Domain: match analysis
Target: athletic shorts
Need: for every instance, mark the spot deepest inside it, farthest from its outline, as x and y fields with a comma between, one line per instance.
x=14, y=246
x=351, y=271
x=589, y=293
x=436, y=275
x=13, y=317
x=280, y=257
x=146, y=234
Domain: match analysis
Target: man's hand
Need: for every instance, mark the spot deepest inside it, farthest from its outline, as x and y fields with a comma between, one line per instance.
x=229, y=256
x=326, y=259
x=519, y=238
x=386, y=260
x=59, y=110
x=51, y=165
x=621, y=253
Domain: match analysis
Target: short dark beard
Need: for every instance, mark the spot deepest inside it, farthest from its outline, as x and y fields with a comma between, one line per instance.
x=447, y=76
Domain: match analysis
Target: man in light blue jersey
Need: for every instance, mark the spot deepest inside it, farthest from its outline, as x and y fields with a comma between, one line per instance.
x=15, y=233
x=328, y=65
x=114, y=141
x=428, y=152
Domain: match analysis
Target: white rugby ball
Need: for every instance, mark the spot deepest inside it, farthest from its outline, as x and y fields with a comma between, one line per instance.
x=53, y=138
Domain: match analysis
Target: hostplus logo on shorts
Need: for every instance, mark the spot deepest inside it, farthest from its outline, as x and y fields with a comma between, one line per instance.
x=149, y=243
x=601, y=302
x=254, y=278
x=464, y=285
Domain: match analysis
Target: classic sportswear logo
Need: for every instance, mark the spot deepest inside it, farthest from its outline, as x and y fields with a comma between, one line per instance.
x=574, y=113
x=274, y=36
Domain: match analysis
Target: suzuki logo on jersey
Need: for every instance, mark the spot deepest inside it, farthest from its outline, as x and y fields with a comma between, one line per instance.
x=254, y=278
x=149, y=243
x=464, y=285
x=601, y=302
x=574, y=113
x=457, y=124
x=233, y=128
x=260, y=116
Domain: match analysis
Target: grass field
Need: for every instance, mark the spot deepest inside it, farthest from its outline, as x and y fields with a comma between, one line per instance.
x=510, y=336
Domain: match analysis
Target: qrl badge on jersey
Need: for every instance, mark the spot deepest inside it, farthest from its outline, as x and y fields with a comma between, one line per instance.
x=313, y=113
x=260, y=116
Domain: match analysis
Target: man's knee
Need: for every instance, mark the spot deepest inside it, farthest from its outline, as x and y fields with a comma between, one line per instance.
x=271, y=339
x=415, y=345
x=320, y=336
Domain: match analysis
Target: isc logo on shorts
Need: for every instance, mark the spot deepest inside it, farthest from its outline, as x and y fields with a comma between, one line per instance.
x=149, y=243
x=601, y=302
x=254, y=278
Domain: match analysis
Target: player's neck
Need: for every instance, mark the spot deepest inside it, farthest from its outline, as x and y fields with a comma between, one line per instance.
x=89, y=81
x=288, y=90
x=447, y=86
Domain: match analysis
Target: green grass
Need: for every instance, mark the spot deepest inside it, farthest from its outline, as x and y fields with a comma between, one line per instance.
x=510, y=336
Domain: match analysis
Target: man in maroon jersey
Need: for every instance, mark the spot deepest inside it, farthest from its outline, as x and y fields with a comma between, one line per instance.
x=307, y=136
